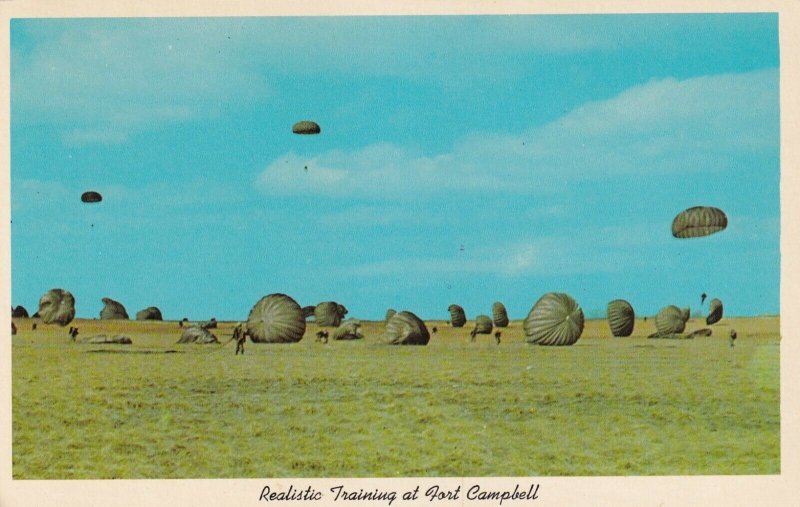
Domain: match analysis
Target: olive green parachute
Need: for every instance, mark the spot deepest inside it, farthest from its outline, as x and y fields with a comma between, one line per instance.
x=555, y=319
x=149, y=313
x=483, y=325
x=714, y=311
x=306, y=127
x=620, y=317
x=670, y=321
x=686, y=313
x=102, y=339
x=329, y=314
x=348, y=330
x=389, y=314
x=91, y=197
x=405, y=328
x=113, y=310
x=19, y=312
x=57, y=306
x=499, y=314
x=276, y=318
x=197, y=335
x=457, y=316
x=699, y=221
x=308, y=311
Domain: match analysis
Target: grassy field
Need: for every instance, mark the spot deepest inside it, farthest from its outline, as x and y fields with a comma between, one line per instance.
x=605, y=406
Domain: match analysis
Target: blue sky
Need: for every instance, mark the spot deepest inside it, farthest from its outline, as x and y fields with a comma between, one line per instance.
x=461, y=160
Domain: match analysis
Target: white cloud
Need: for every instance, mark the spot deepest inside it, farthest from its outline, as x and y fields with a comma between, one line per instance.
x=694, y=126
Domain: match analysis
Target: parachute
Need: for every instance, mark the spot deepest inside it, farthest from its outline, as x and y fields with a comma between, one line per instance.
x=57, y=306
x=457, y=316
x=113, y=310
x=149, y=313
x=670, y=321
x=91, y=197
x=483, y=325
x=620, y=317
x=276, y=318
x=329, y=314
x=306, y=127
x=348, y=330
x=699, y=221
x=405, y=328
x=714, y=312
x=555, y=319
x=389, y=314
x=499, y=314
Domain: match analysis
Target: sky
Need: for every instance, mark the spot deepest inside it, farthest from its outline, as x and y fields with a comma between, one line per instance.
x=462, y=159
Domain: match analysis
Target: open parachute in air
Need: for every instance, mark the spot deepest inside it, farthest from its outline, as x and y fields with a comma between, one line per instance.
x=699, y=221
x=91, y=197
x=306, y=127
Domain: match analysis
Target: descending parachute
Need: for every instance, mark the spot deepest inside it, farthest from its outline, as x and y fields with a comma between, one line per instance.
x=714, y=311
x=703, y=297
x=57, y=306
x=670, y=321
x=620, y=317
x=457, y=316
x=405, y=328
x=555, y=319
x=91, y=196
x=306, y=127
x=113, y=310
x=483, y=325
x=699, y=221
x=499, y=314
x=276, y=318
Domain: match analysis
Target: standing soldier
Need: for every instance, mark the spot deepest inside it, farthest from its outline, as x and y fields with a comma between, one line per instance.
x=241, y=336
x=733, y=336
x=73, y=332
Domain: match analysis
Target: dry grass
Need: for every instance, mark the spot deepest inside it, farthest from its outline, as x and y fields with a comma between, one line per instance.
x=605, y=406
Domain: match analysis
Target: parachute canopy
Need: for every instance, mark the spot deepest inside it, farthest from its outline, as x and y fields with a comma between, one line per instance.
x=276, y=318
x=670, y=321
x=149, y=313
x=113, y=310
x=197, y=335
x=405, y=328
x=57, y=306
x=555, y=319
x=306, y=127
x=620, y=317
x=499, y=314
x=389, y=314
x=91, y=196
x=699, y=221
x=348, y=330
x=19, y=312
x=329, y=314
x=457, y=316
x=714, y=312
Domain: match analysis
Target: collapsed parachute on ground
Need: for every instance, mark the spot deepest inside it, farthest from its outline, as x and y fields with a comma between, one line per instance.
x=348, y=330
x=699, y=221
x=91, y=197
x=389, y=314
x=686, y=313
x=714, y=312
x=621, y=317
x=102, y=339
x=211, y=324
x=405, y=328
x=483, y=325
x=499, y=314
x=555, y=319
x=197, y=335
x=306, y=127
x=19, y=312
x=329, y=314
x=457, y=316
x=276, y=318
x=57, y=306
x=670, y=321
x=149, y=313
x=113, y=310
